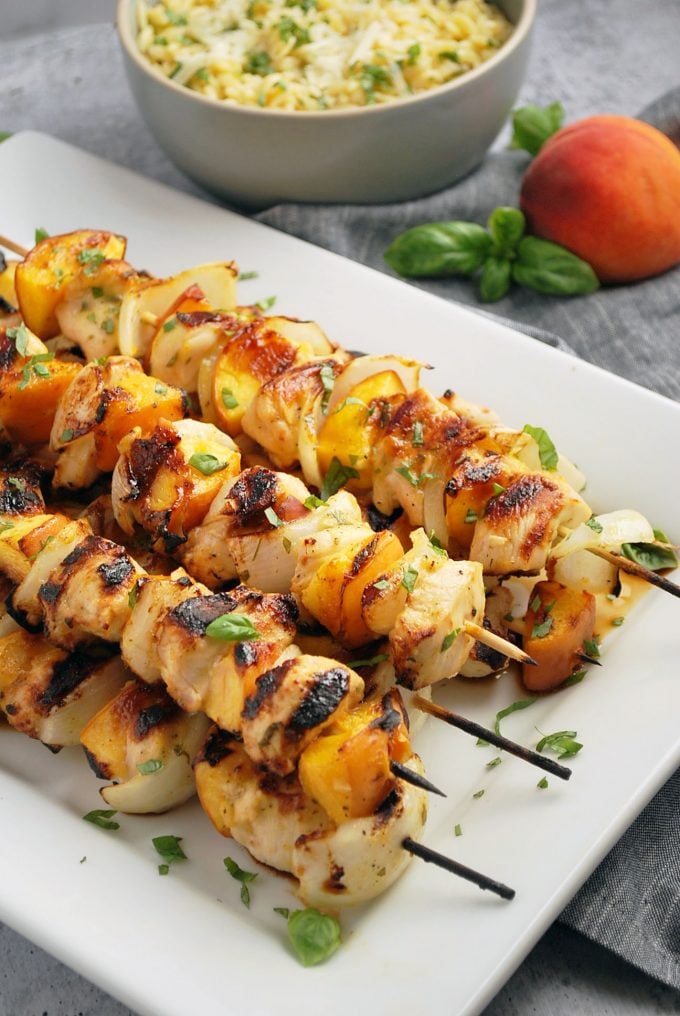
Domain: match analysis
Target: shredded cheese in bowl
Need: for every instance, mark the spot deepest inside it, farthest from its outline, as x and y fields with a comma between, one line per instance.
x=317, y=54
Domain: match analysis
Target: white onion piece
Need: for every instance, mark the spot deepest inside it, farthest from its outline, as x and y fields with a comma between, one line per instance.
x=307, y=444
x=582, y=570
x=623, y=526
x=302, y=333
x=571, y=473
x=217, y=281
x=434, y=516
x=362, y=367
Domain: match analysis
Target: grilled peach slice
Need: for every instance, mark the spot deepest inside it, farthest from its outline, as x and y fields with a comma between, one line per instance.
x=558, y=622
x=53, y=262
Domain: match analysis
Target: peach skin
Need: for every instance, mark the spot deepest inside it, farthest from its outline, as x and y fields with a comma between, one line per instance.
x=608, y=189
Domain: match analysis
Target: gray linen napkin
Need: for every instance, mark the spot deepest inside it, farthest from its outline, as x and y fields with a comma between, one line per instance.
x=631, y=904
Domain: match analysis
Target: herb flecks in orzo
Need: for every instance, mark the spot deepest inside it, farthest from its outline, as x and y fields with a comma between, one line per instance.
x=326, y=54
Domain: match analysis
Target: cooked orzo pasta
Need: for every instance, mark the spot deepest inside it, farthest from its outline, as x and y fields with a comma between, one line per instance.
x=317, y=54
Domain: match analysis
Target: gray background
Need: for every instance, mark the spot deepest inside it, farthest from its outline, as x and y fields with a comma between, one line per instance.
x=61, y=73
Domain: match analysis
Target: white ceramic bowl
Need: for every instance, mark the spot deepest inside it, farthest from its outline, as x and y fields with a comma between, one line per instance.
x=402, y=149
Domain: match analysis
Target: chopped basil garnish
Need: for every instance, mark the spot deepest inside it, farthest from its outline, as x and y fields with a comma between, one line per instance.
x=91, y=259
x=272, y=518
x=546, y=449
x=417, y=439
x=337, y=475
x=66, y=435
x=313, y=502
x=470, y=516
x=593, y=524
x=313, y=935
x=241, y=876
x=19, y=337
x=229, y=400
x=591, y=648
x=351, y=400
x=36, y=366
x=408, y=579
x=574, y=678
x=382, y=584
x=283, y=911
x=520, y=704
x=498, y=488
x=266, y=303
x=244, y=276
x=494, y=762
x=437, y=546
x=206, y=463
x=478, y=794
x=543, y=784
x=371, y=661
x=40, y=234
x=408, y=475
x=327, y=377
x=152, y=765
x=458, y=829
x=542, y=628
x=562, y=742
x=618, y=621
x=232, y=628
x=169, y=849
x=102, y=818
x=449, y=640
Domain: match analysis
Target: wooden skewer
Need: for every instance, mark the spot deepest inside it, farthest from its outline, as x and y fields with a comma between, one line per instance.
x=584, y=658
x=477, y=730
x=408, y=776
x=431, y=856
x=14, y=247
x=493, y=641
x=633, y=568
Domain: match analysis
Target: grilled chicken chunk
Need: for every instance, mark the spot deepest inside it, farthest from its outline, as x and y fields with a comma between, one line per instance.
x=166, y=480
x=144, y=743
x=89, y=307
x=292, y=704
x=252, y=531
x=154, y=596
x=206, y=672
x=521, y=522
x=281, y=826
x=276, y=415
x=50, y=694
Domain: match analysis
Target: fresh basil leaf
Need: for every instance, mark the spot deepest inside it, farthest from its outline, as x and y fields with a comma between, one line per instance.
x=542, y=628
x=449, y=639
x=313, y=502
x=546, y=449
x=533, y=125
x=495, y=279
x=506, y=226
x=543, y=783
x=337, y=475
x=520, y=704
x=19, y=337
x=206, y=463
x=102, y=818
x=229, y=400
x=283, y=911
x=40, y=234
x=494, y=762
x=591, y=647
x=313, y=935
x=593, y=524
x=651, y=555
x=272, y=518
x=551, y=269
x=438, y=249
x=232, y=628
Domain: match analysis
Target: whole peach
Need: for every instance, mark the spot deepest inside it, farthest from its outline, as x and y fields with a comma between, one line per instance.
x=608, y=189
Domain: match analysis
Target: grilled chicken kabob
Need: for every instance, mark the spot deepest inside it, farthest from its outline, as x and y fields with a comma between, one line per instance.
x=299, y=768
x=299, y=411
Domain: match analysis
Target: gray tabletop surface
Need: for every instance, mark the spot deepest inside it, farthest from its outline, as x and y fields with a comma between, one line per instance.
x=565, y=974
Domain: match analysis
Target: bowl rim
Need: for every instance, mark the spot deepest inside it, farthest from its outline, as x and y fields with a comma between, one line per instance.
x=520, y=32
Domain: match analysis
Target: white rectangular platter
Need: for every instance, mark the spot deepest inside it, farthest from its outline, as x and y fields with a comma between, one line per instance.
x=184, y=943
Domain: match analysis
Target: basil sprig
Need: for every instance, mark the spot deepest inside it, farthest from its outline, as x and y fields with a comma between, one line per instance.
x=533, y=125
x=501, y=253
